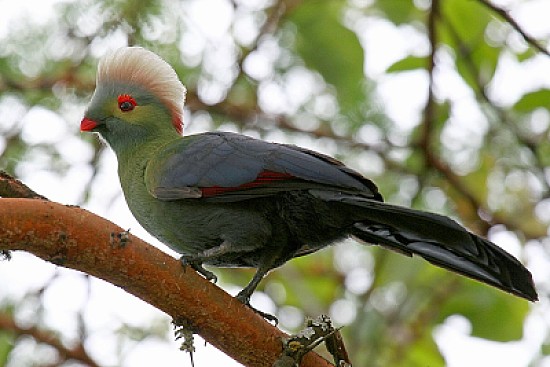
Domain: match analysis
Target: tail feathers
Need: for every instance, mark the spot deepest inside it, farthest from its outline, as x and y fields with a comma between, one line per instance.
x=438, y=239
x=490, y=264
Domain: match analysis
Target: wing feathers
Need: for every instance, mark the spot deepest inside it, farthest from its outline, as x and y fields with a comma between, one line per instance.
x=219, y=164
x=264, y=178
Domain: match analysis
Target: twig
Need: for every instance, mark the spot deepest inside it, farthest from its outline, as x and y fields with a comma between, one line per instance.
x=503, y=116
x=429, y=109
x=431, y=158
x=245, y=117
x=274, y=16
x=11, y=187
x=76, y=353
x=98, y=150
x=317, y=330
x=416, y=328
x=506, y=16
x=337, y=348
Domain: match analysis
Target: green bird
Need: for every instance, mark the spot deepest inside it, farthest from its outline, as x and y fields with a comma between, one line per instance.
x=229, y=200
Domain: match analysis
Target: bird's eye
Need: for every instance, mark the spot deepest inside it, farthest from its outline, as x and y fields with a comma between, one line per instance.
x=126, y=102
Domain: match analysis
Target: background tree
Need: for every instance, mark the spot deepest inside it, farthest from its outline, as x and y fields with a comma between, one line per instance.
x=444, y=104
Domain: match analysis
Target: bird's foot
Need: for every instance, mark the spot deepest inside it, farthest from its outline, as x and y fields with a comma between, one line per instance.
x=245, y=299
x=197, y=266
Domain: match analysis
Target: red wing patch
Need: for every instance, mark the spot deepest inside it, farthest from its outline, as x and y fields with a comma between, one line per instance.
x=264, y=178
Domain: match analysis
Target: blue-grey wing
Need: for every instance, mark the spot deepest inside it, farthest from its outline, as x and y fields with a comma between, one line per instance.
x=230, y=166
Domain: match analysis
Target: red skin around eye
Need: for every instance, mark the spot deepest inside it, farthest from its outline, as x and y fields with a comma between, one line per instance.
x=126, y=98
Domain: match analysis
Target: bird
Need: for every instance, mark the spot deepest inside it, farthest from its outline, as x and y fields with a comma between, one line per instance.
x=229, y=200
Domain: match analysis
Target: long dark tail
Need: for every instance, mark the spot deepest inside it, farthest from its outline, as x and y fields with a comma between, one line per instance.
x=438, y=239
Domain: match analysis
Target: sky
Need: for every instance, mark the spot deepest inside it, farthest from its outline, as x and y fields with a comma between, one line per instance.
x=400, y=96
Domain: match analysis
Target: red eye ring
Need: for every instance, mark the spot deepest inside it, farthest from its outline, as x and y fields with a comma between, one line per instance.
x=126, y=102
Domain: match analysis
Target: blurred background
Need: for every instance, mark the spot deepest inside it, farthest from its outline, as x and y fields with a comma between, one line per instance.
x=444, y=104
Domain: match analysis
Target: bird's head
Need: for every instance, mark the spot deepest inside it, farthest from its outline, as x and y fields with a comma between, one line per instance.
x=137, y=95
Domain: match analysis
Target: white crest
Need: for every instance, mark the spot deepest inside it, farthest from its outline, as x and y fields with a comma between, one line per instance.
x=136, y=65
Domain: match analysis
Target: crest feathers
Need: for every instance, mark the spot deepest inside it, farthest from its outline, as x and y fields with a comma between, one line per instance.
x=136, y=65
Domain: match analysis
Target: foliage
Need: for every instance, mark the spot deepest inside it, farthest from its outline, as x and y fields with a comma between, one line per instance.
x=466, y=139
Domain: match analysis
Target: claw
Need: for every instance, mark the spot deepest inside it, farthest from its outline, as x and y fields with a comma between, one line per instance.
x=245, y=299
x=197, y=266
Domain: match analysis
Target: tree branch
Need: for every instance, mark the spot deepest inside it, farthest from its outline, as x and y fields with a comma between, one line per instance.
x=503, y=115
x=430, y=107
x=13, y=188
x=274, y=16
x=77, y=353
x=432, y=160
x=507, y=17
x=75, y=238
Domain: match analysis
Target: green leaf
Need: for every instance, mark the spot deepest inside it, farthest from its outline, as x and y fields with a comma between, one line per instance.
x=398, y=11
x=545, y=349
x=544, y=153
x=533, y=100
x=494, y=315
x=331, y=49
x=477, y=179
x=423, y=352
x=6, y=346
x=476, y=61
x=398, y=268
x=318, y=284
x=408, y=63
x=468, y=18
x=528, y=54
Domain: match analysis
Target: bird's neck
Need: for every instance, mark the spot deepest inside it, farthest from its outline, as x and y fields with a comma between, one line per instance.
x=134, y=155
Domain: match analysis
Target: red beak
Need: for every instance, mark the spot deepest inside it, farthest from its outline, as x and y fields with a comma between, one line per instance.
x=87, y=125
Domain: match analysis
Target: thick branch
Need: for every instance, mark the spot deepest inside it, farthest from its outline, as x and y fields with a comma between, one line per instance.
x=75, y=238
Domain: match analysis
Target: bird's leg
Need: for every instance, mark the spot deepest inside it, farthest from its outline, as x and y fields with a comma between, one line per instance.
x=196, y=261
x=245, y=294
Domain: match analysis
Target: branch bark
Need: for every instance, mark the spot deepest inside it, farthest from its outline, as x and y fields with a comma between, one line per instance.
x=74, y=238
x=13, y=188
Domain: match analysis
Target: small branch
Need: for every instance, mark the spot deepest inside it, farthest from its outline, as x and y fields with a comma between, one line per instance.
x=98, y=151
x=507, y=17
x=456, y=183
x=432, y=160
x=75, y=238
x=415, y=328
x=11, y=187
x=317, y=330
x=274, y=15
x=503, y=115
x=429, y=109
x=246, y=117
x=77, y=353
x=66, y=77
